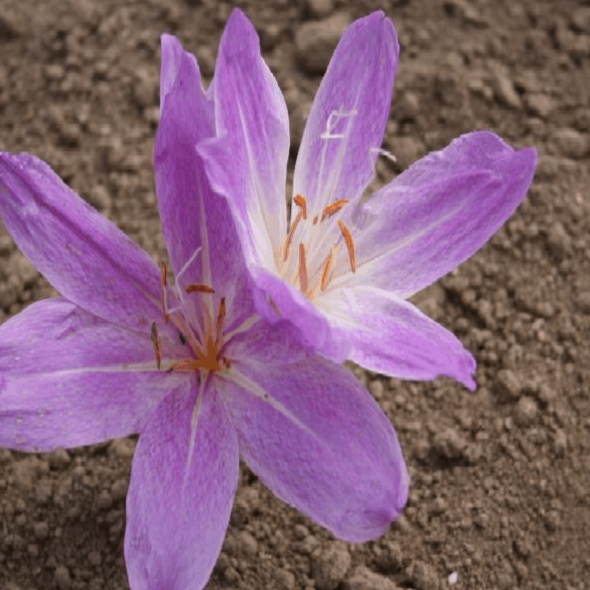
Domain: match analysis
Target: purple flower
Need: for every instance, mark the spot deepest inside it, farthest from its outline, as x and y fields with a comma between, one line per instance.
x=343, y=269
x=191, y=366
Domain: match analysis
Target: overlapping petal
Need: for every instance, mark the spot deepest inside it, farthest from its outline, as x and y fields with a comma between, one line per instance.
x=178, y=511
x=391, y=336
x=251, y=117
x=439, y=212
x=248, y=163
x=349, y=114
x=290, y=304
x=321, y=443
x=186, y=120
x=68, y=378
x=81, y=253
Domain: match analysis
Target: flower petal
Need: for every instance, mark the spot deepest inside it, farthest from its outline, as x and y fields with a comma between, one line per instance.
x=391, y=336
x=349, y=115
x=186, y=120
x=249, y=163
x=439, y=212
x=289, y=304
x=81, y=253
x=319, y=442
x=68, y=378
x=177, y=513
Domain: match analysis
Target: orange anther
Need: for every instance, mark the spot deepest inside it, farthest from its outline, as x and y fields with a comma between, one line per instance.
x=333, y=208
x=300, y=201
x=198, y=288
x=349, y=244
x=302, y=269
x=291, y=234
x=326, y=271
x=164, y=274
x=220, y=315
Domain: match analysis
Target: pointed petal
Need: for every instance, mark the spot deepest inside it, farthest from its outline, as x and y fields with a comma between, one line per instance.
x=248, y=163
x=251, y=113
x=439, y=212
x=68, y=379
x=391, y=336
x=349, y=115
x=81, y=253
x=186, y=120
x=177, y=514
x=320, y=443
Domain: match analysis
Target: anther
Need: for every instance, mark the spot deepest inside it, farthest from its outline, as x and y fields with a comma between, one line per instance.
x=349, y=244
x=199, y=288
x=302, y=269
x=164, y=274
x=300, y=201
x=326, y=271
x=220, y=315
x=291, y=234
x=226, y=362
x=333, y=208
x=156, y=342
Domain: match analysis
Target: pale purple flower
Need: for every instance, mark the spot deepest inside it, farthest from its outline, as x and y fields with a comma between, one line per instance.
x=343, y=269
x=191, y=367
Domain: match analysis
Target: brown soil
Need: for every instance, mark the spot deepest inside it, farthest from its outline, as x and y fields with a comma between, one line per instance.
x=501, y=478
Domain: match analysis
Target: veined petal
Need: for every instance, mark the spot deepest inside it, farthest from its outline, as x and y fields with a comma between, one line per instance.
x=81, y=253
x=186, y=120
x=178, y=510
x=252, y=120
x=68, y=379
x=439, y=212
x=320, y=443
x=391, y=336
x=349, y=115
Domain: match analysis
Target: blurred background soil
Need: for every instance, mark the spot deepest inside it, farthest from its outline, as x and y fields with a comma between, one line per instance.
x=501, y=478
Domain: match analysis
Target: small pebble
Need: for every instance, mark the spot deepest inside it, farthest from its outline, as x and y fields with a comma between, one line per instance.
x=525, y=411
x=62, y=578
x=330, y=567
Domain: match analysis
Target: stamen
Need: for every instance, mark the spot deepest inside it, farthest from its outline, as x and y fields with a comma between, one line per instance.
x=326, y=271
x=164, y=274
x=156, y=342
x=184, y=365
x=220, y=315
x=226, y=362
x=333, y=208
x=291, y=233
x=199, y=288
x=349, y=244
x=315, y=220
x=300, y=201
x=302, y=269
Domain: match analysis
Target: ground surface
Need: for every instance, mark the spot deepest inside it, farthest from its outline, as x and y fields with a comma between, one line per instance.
x=501, y=478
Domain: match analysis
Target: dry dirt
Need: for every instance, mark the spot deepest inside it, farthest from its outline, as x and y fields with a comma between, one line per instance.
x=501, y=479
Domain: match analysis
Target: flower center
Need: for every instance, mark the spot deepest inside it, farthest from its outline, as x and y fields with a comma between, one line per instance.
x=315, y=263
x=204, y=340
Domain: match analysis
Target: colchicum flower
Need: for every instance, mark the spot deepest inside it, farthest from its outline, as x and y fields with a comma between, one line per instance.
x=344, y=267
x=191, y=366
